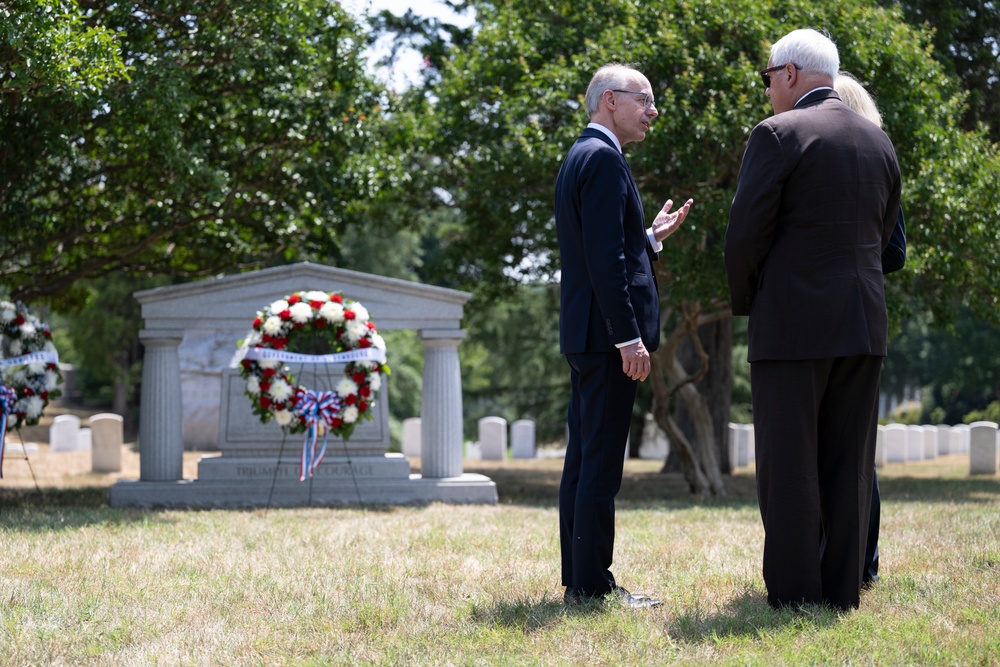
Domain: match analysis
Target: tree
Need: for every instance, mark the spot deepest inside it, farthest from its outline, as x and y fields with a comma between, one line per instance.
x=966, y=38
x=509, y=104
x=243, y=135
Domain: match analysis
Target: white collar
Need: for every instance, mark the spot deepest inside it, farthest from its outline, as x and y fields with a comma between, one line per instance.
x=813, y=91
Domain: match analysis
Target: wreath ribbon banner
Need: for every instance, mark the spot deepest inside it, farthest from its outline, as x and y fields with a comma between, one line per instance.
x=34, y=357
x=368, y=353
x=7, y=399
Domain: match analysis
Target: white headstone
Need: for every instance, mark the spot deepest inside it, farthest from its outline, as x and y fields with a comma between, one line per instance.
x=983, y=451
x=522, y=439
x=64, y=434
x=85, y=440
x=739, y=446
x=880, y=455
x=655, y=446
x=493, y=438
x=895, y=443
x=473, y=451
x=943, y=439
x=411, y=436
x=108, y=430
x=752, y=443
x=930, y=441
x=960, y=439
x=914, y=443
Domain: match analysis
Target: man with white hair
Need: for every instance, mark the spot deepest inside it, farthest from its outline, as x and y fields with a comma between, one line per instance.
x=816, y=203
x=609, y=321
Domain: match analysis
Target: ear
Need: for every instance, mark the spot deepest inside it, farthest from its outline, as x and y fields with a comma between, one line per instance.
x=609, y=99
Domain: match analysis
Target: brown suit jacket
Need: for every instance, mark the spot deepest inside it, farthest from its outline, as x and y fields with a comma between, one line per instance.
x=816, y=202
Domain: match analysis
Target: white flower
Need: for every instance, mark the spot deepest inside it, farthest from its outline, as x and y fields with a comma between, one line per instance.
x=49, y=346
x=283, y=417
x=316, y=296
x=278, y=306
x=280, y=391
x=377, y=341
x=268, y=363
x=253, y=385
x=33, y=407
x=36, y=368
x=16, y=348
x=51, y=381
x=272, y=325
x=355, y=330
x=360, y=312
x=332, y=312
x=7, y=312
x=301, y=312
x=346, y=387
x=28, y=329
x=375, y=381
x=350, y=414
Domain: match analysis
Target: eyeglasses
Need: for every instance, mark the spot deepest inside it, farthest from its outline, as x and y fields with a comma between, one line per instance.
x=765, y=75
x=647, y=99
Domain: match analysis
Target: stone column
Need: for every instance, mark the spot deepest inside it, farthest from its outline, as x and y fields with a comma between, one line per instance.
x=441, y=404
x=161, y=442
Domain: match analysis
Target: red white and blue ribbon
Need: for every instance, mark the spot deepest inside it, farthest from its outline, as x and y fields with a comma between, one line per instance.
x=313, y=408
x=7, y=399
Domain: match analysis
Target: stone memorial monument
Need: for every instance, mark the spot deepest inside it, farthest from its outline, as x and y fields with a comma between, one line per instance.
x=259, y=463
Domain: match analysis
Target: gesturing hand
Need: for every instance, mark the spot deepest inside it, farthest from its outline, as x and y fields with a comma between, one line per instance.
x=635, y=361
x=666, y=223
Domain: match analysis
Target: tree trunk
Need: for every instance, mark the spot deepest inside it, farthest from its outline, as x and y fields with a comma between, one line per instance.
x=699, y=460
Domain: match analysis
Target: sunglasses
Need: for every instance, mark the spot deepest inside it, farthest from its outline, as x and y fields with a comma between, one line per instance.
x=765, y=75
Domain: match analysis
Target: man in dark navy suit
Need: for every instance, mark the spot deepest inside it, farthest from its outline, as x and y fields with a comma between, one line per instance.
x=816, y=202
x=609, y=320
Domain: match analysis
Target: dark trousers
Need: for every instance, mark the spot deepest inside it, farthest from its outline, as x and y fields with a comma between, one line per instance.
x=600, y=413
x=815, y=424
x=869, y=573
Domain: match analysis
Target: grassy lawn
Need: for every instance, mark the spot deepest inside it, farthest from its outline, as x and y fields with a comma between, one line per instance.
x=82, y=583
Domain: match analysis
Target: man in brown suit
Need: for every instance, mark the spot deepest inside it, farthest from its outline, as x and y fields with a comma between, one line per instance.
x=815, y=204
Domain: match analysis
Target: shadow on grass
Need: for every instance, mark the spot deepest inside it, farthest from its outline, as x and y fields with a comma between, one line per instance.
x=531, y=615
x=747, y=615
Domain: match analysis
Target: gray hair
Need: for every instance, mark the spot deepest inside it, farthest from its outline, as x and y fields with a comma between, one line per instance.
x=854, y=95
x=809, y=50
x=609, y=77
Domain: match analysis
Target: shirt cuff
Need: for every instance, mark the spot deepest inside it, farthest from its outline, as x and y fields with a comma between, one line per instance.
x=627, y=343
x=657, y=245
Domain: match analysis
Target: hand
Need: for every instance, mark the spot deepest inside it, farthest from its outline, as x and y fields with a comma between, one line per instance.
x=635, y=361
x=666, y=223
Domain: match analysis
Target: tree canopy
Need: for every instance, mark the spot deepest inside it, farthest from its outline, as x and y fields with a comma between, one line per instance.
x=184, y=138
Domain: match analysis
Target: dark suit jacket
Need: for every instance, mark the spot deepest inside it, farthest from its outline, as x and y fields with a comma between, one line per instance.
x=608, y=289
x=816, y=202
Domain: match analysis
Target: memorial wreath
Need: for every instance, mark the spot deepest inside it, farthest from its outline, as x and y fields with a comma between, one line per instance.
x=344, y=330
x=29, y=369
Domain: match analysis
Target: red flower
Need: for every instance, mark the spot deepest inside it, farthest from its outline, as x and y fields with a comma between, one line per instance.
x=294, y=299
x=336, y=298
x=47, y=333
x=319, y=323
x=362, y=406
x=265, y=385
x=19, y=320
x=351, y=400
x=336, y=422
x=266, y=339
x=365, y=391
x=44, y=395
x=28, y=391
x=257, y=322
x=316, y=304
x=265, y=402
x=364, y=342
x=358, y=377
x=285, y=315
x=279, y=343
x=269, y=373
x=371, y=325
x=349, y=315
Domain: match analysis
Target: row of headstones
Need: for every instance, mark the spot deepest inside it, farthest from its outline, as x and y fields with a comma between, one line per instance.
x=899, y=443
x=492, y=443
x=104, y=438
